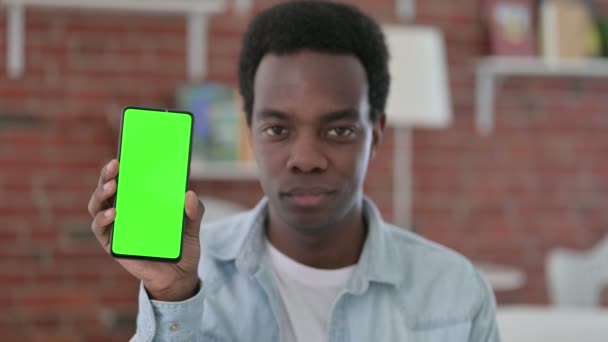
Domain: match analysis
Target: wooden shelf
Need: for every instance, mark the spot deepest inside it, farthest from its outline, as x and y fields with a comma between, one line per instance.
x=177, y=6
x=195, y=11
x=491, y=70
x=220, y=170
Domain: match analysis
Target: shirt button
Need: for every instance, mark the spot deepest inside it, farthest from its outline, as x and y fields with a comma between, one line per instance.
x=173, y=326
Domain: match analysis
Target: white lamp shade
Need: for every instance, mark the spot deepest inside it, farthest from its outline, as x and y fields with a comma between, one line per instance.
x=419, y=94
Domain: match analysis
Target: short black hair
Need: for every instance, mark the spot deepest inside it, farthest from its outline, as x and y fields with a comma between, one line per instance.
x=318, y=26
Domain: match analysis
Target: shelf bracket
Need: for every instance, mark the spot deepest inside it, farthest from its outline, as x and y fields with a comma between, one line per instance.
x=484, y=101
x=15, y=36
x=196, y=44
x=492, y=70
x=406, y=10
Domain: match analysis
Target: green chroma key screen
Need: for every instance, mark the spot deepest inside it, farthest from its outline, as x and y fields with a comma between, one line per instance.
x=154, y=159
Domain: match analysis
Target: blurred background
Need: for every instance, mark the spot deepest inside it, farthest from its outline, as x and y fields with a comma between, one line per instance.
x=516, y=177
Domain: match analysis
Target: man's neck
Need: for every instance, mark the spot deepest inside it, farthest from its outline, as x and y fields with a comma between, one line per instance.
x=334, y=247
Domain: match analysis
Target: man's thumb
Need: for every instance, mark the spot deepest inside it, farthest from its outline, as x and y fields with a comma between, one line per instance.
x=194, y=213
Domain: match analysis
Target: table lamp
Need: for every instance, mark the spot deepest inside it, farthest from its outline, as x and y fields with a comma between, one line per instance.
x=419, y=98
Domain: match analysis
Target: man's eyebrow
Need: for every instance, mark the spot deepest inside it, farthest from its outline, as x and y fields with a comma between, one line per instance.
x=273, y=114
x=343, y=114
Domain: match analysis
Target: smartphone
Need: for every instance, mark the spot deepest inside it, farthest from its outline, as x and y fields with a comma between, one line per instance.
x=154, y=161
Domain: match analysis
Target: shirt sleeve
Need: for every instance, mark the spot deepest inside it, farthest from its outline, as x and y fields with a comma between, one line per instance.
x=485, y=327
x=160, y=321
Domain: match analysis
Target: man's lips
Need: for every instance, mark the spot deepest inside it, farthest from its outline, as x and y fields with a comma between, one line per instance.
x=307, y=197
x=307, y=200
x=313, y=191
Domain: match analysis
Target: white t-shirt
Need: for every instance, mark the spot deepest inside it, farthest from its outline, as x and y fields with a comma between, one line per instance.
x=308, y=294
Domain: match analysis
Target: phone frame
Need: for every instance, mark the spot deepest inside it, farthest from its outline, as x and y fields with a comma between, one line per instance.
x=181, y=246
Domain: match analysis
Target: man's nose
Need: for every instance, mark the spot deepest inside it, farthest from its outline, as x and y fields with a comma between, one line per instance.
x=307, y=155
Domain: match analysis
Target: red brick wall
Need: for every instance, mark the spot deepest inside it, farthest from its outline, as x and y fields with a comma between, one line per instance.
x=539, y=181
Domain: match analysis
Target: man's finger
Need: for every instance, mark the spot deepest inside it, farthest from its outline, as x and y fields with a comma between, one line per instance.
x=100, y=227
x=99, y=199
x=108, y=172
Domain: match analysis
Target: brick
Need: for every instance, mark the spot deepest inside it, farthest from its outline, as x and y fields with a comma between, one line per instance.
x=53, y=299
x=53, y=337
x=91, y=252
x=8, y=235
x=49, y=277
x=11, y=278
x=46, y=322
x=124, y=297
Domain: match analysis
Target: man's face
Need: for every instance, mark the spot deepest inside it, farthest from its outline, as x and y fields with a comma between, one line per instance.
x=312, y=136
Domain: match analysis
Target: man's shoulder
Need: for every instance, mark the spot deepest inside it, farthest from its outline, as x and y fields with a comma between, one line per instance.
x=230, y=221
x=413, y=246
x=223, y=238
x=440, y=283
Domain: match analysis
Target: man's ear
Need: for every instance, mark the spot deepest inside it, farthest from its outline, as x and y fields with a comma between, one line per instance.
x=377, y=132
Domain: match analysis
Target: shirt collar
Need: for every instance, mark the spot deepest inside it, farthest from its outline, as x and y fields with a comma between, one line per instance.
x=243, y=242
x=378, y=260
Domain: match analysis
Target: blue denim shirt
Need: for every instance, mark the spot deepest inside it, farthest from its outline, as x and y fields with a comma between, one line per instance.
x=404, y=288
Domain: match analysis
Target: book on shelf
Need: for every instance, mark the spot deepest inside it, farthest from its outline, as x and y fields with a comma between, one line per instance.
x=510, y=27
x=568, y=30
x=220, y=132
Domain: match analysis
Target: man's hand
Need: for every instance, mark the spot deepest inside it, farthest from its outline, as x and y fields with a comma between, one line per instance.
x=163, y=281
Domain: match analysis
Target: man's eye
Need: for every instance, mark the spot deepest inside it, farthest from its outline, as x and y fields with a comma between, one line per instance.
x=342, y=132
x=274, y=130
